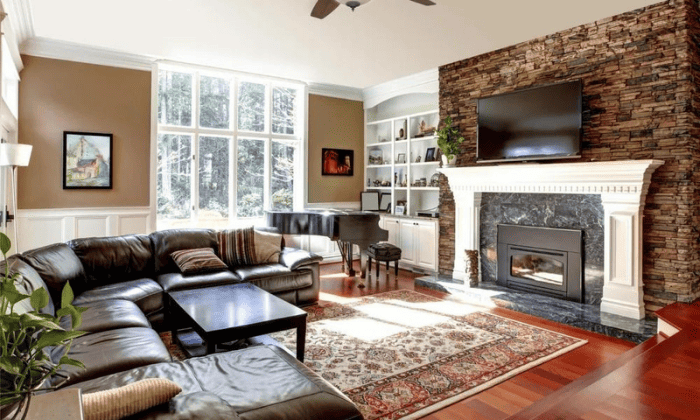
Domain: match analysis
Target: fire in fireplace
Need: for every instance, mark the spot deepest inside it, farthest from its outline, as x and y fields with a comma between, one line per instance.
x=541, y=260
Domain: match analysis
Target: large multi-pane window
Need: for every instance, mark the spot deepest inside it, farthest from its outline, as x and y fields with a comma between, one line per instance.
x=228, y=148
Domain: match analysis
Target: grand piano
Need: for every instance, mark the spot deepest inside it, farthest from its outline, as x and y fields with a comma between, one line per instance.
x=348, y=228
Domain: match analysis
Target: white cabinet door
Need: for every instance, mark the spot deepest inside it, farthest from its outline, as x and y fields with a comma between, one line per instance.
x=425, y=234
x=407, y=241
x=392, y=225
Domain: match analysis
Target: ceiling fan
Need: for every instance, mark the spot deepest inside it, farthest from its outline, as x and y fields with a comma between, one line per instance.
x=324, y=8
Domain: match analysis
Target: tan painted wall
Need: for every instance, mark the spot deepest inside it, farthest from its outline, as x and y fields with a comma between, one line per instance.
x=57, y=96
x=335, y=123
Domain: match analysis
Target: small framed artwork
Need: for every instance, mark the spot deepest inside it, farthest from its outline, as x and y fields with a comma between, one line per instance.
x=87, y=160
x=376, y=157
x=385, y=203
x=369, y=200
x=430, y=154
x=399, y=210
x=337, y=162
x=401, y=158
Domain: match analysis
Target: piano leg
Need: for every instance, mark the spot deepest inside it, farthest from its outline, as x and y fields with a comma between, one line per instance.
x=348, y=259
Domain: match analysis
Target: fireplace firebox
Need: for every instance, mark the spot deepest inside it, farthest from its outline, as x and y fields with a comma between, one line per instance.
x=542, y=260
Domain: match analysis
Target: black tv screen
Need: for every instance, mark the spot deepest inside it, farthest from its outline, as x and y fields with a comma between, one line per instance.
x=538, y=123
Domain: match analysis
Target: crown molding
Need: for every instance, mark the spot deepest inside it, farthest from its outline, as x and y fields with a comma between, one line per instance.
x=20, y=14
x=335, y=91
x=423, y=82
x=63, y=50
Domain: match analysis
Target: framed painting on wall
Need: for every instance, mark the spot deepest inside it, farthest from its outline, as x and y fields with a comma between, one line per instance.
x=87, y=160
x=337, y=162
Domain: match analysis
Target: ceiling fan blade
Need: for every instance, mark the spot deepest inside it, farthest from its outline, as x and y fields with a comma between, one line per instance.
x=425, y=2
x=324, y=8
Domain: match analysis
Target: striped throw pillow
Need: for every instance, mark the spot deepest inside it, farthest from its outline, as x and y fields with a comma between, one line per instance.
x=128, y=400
x=246, y=246
x=200, y=260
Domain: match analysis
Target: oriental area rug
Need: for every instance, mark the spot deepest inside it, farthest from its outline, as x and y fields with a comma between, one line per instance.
x=403, y=355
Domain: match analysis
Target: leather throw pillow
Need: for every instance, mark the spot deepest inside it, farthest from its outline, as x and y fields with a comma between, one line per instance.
x=128, y=400
x=199, y=260
x=246, y=246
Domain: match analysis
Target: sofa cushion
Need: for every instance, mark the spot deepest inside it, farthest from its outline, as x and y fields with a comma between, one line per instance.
x=165, y=242
x=114, y=259
x=197, y=261
x=260, y=382
x=275, y=278
x=112, y=351
x=194, y=406
x=30, y=282
x=145, y=293
x=294, y=258
x=178, y=281
x=109, y=315
x=246, y=247
x=57, y=264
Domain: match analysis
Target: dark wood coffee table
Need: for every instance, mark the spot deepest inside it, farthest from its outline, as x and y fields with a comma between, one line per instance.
x=236, y=311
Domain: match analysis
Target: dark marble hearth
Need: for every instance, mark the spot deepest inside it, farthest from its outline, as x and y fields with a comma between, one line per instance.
x=580, y=315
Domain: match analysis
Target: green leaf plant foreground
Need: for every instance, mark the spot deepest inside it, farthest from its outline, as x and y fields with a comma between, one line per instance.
x=26, y=335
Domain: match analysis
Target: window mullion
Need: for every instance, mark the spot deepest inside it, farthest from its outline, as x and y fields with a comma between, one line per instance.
x=233, y=161
x=195, y=166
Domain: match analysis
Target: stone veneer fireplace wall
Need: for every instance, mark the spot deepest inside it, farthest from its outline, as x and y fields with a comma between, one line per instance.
x=640, y=73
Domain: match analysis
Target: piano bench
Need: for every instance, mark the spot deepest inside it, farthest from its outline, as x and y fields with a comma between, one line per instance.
x=384, y=252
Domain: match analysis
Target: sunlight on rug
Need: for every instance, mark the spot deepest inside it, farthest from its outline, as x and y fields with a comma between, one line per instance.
x=403, y=355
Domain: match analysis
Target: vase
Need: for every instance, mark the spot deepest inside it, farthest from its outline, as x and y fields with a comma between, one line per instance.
x=472, y=267
x=449, y=163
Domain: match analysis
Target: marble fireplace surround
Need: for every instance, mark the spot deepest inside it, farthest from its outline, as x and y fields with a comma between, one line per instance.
x=622, y=185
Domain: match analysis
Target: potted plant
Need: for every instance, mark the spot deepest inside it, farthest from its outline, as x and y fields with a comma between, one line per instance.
x=448, y=141
x=24, y=335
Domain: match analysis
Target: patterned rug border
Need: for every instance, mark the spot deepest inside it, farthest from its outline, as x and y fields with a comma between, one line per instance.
x=493, y=382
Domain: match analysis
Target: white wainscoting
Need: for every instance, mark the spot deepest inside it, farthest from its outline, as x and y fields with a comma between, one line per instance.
x=42, y=227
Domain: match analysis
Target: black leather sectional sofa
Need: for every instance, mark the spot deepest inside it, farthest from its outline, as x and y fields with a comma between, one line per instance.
x=124, y=280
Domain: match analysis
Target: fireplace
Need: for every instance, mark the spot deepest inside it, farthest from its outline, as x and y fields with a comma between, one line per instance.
x=622, y=186
x=541, y=260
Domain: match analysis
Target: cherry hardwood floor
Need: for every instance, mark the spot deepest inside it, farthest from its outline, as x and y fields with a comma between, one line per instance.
x=515, y=394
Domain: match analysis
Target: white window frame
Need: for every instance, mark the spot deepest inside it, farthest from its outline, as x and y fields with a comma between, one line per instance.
x=300, y=138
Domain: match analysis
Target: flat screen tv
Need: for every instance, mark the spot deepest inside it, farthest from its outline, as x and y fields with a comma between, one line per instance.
x=531, y=124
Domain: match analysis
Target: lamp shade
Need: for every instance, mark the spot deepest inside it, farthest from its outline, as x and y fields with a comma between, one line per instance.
x=12, y=154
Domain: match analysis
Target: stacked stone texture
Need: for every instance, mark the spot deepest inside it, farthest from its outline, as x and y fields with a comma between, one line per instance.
x=641, y=100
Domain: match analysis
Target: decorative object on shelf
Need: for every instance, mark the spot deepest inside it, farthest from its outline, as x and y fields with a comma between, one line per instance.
x=376, y=157
x=369, y=200
x=418, y=159
x=401, y=158
x=386, y=183
x=25, y=365
x=385, y=202
x=401, y=203
x=430, y=154
x=87, y=160
x=337, y=162
x=438, y=156
x=435, y=180
x=449, y=141
x=369, y=183
x=399, y=210
x=396, y=178
x=423, y=182
x=472, y=270
x=404, y=183
x=424, y=130
x=402, y=134
x=377, y=183
x=14, y=155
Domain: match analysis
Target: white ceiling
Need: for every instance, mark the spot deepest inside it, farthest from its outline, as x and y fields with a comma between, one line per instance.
x=380, y=41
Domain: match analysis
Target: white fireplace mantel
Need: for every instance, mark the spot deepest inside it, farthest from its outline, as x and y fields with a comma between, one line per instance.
x=622, y=185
